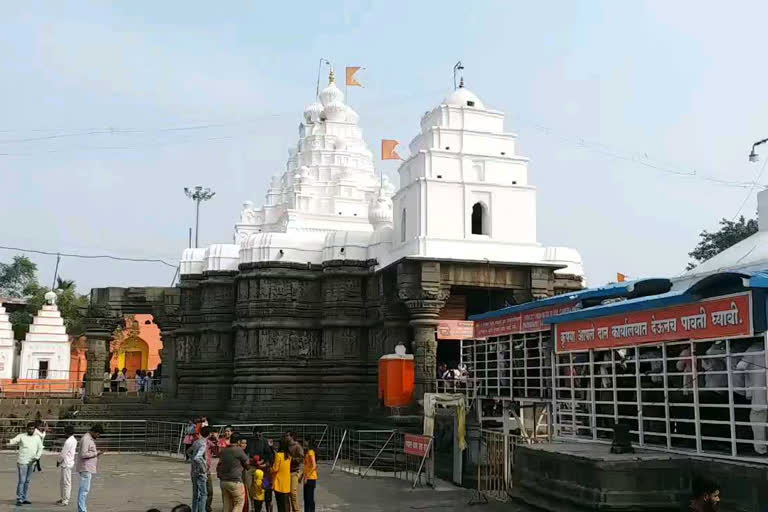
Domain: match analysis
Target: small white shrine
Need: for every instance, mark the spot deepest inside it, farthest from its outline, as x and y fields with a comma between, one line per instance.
x=463, y=195
x=7, y=349
x=45, y=351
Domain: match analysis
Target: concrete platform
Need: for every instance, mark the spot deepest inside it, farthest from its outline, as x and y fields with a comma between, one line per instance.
x=586, y=476
x=136, y=483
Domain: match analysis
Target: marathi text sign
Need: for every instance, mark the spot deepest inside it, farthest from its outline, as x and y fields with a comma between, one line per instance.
x=720, y=317
x=416, y=445
x=455, y=330
x=527, y=321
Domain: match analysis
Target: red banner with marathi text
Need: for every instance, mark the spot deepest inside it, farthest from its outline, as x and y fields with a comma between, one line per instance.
x=416, y=445
x=720, y=317
x=527, y=321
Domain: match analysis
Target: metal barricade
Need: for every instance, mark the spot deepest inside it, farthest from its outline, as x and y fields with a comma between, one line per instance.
x=118, y=436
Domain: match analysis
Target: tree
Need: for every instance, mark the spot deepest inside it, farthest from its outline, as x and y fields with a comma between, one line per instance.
x=17, y=277
x=64, y=284
x=730, y=233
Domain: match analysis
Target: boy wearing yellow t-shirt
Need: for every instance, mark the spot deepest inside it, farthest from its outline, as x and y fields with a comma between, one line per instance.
x=257, y=490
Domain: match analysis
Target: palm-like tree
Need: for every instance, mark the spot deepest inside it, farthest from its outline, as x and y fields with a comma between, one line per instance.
x=64, y=284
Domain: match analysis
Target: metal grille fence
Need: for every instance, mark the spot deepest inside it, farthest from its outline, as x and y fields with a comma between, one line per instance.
x=361, y=452
x=119, y=435
x=496, y=463
x=706, y=397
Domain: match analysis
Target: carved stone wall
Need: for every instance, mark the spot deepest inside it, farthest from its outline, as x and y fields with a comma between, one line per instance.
x=285, y=341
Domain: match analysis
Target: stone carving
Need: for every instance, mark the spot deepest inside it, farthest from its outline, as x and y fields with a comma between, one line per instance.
x=247, y=213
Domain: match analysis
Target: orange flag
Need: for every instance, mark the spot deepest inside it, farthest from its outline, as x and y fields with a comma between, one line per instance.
x=351, y=80
x=388, y=150
x=620, y=278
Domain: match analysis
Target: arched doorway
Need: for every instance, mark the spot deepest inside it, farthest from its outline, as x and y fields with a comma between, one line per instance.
x=479, y=219
x=133, y=355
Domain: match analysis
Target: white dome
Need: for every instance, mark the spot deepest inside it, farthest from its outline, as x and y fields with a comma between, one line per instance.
x=346, y=245
x=312, y=112
x=380, y=212
x=352, y=116
x=299, y=247
x=335, y=111
x=192, y=261
x=331, y=94
x=463, y=97
x=50, y=297
x=221, y=257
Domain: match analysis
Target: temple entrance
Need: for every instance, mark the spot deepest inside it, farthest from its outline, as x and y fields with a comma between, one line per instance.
x=42, y=369
x=133, y=362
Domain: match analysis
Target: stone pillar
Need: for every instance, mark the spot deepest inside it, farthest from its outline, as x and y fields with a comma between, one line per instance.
x=424, y=319
x=168, y=359
x=98, y=332
x=421, y=290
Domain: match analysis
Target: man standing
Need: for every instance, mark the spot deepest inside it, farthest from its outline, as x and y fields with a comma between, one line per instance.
x=297, y=459
x=199, y=470
x=122, y=384
x=257, y=445
x=230, y=471
x=30, y=451
x=211, y=453
x=87, y=462
x=66, y=462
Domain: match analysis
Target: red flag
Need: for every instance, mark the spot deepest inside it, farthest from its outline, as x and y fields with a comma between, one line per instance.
x=388, y=150
x=351, y=80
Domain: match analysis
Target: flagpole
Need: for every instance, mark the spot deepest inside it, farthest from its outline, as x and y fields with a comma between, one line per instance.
x=319, y=69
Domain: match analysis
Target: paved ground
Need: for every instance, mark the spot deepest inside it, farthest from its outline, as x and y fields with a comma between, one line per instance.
x=136, y=483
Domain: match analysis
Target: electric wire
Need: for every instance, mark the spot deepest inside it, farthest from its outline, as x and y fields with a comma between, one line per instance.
x=92, y=256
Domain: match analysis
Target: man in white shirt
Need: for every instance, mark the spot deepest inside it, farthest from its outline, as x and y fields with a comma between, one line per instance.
x=66, y=462
x=122, y=385
x=30, y=451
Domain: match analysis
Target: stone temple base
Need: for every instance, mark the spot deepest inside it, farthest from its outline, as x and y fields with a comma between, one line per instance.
x=585, y=476
x=589, y=477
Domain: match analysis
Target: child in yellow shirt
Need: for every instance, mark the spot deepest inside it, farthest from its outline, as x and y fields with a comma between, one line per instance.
x=257, y=490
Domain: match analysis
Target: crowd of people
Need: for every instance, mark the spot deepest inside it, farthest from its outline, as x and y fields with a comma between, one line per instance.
x=81, y=456
x=253, y=472
x=143, y=381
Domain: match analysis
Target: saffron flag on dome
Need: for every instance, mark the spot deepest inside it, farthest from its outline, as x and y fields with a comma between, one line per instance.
x=351, y=80
x=388, y=150
x=620, y=278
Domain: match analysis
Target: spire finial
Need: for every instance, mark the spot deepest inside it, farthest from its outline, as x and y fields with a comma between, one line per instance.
x=331, y=77
x=461, y=83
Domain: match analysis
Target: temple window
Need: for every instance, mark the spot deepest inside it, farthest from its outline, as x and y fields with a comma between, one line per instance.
x=402, y=226
x=479, y=219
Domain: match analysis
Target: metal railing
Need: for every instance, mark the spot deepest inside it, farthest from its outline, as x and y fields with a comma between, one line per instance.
x=451, y=386
x=119, y=435
x=361, y=452
x=702, y=397
x=41, y=388
x=496, y=463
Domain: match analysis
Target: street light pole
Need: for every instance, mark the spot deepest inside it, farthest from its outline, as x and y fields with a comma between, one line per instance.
x=198, y=195
x=753, y=156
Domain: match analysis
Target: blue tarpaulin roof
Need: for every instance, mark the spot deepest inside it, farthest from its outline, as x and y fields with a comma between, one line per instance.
x=611, y=291
x=746, y=279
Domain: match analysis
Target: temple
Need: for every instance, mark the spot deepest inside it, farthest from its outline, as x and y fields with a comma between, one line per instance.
x=45, y=351
x=337, y=266
x=7, y=345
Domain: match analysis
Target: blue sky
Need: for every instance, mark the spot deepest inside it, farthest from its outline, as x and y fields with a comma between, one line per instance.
x=139, y=99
